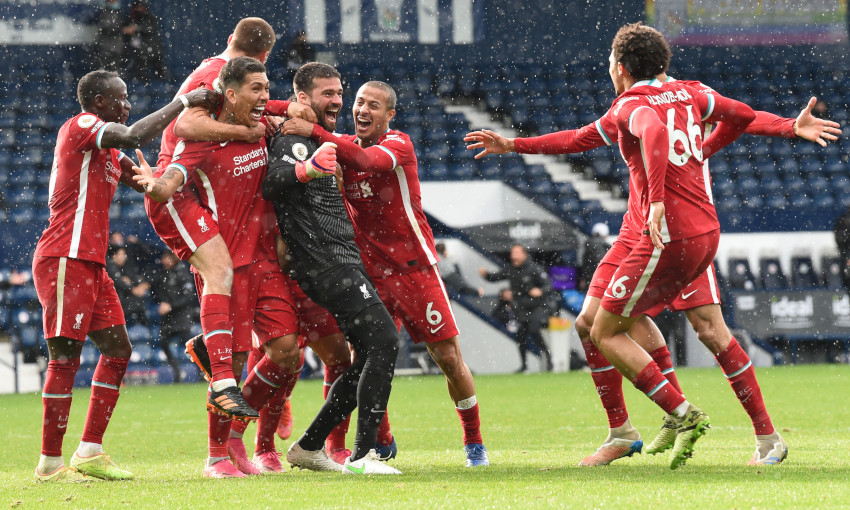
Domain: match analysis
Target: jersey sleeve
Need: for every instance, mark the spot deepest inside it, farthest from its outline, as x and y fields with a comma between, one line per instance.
x=377, y=158
x=599, y=133
x=187, y=157
x=86, y=132
x=277, y=107
x=635, y=117
x=732, y=118
x=765, y=123
x=769, y=124
x=284, y=152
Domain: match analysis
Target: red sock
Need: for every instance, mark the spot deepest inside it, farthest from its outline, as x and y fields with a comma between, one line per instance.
x=652, y=382
x=739, y=371
x=219, y=431
x=56, y=401
x=609, y=385
x=254, y=357
x=104, y=395
x=218, y=334
x=661, y=357
x=385, y=437
x=268, y=399
x=336, y=439
x=262, y=382
x=471, y=424
x=267, y=424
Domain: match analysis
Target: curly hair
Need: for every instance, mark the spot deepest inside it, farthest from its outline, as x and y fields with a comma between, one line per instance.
x=642, y=50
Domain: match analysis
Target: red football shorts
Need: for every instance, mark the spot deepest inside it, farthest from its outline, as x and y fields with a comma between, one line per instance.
x=314, y=321
x=649, y=277
x=260, y=300
x=182, y=223
x=700, y=292
x=77, y=296
x=608, y=265
x=419, y=300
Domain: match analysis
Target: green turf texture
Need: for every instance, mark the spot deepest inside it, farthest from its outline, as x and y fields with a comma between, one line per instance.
x=536, y=427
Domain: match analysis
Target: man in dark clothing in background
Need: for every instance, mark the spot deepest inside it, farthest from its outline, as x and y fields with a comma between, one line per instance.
x=532, y=293
x=173, y=291
x=131, y=286
x=146, y=55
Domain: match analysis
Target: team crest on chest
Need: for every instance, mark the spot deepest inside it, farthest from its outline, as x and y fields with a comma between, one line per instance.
x=299, y=150
x=203, y=224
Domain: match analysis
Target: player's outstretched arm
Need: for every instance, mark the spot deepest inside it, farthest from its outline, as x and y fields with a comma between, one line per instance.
x=350, y=154
x=141, y=133
x=732, y=118
x=158, y=188
x=569, y=141
x=196, y=124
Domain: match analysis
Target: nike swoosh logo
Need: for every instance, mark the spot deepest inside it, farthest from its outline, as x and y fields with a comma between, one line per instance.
x=223, y=358
x=609, y=295
x=378, y=411
x=353, y=469
x=438, y=328
x=689, y=294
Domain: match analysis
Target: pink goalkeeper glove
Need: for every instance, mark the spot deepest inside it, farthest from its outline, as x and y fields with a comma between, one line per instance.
x=322, y=164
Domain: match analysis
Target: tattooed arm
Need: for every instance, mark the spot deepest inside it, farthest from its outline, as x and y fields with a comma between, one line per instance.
x=159, y=188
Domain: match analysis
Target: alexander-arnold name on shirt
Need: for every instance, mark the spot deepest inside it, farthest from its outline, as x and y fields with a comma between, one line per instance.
x=671, y=96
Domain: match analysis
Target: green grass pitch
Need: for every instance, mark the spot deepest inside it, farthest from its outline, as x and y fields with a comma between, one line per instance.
x=536, y=427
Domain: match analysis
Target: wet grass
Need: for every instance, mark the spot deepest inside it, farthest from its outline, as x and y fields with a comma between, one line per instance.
x=536, y=427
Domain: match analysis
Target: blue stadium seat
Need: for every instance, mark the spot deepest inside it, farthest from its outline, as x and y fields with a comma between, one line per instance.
x=490, y=170
x=803, y=274
x=569, y=204
x=464, y=170
x=831, y=273
x=772, y=277
x=438, y=172
x=740, y=275
x=824, y=200
x=728, y=203
x=754, y=201
x=23, y=214
x=139, y=334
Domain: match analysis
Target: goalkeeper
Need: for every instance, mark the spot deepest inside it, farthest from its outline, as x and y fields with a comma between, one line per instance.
x=326, y=264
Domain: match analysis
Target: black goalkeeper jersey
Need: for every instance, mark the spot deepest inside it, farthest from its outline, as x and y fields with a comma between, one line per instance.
x=311, y=216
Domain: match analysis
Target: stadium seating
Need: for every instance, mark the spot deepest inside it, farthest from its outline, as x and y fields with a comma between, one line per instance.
x=758, y=183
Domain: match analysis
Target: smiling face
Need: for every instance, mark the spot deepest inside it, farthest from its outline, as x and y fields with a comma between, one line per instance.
x=112, y=105
x=245, y=103
x=372, y=114
x=326, y=100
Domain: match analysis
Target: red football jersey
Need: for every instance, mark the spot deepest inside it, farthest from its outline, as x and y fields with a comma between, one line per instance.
x=203, y=76
x=686, y=189
x=386, y=210
x=82, y=184
x=229, y=178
